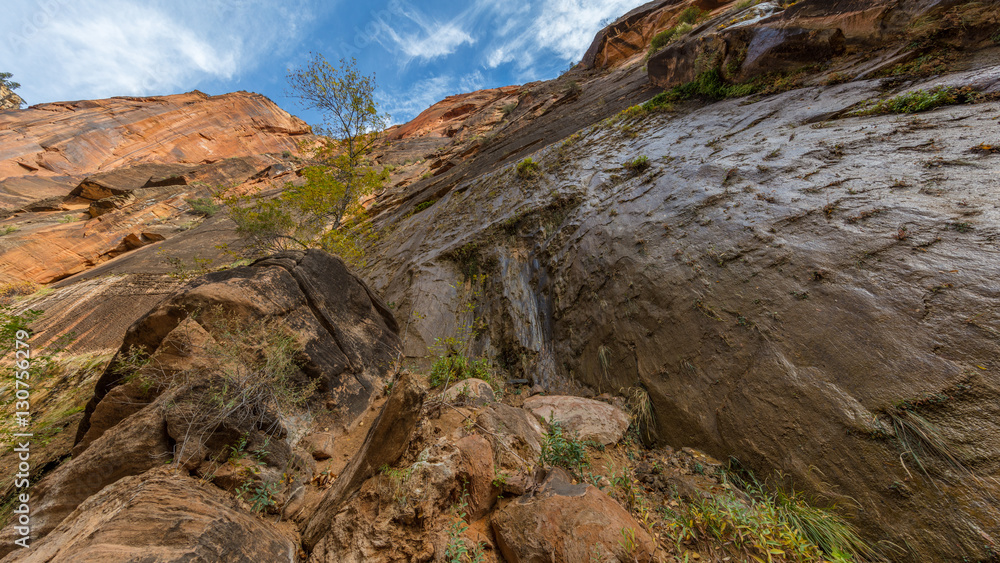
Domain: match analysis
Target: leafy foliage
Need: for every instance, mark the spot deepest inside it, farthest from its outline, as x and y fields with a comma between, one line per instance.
x=636, y=165
x=765, y=526
x=527, y=168
x=204, y=206
x=325, y=211
x=458, y=550
x=562, y=450
x=5, y=80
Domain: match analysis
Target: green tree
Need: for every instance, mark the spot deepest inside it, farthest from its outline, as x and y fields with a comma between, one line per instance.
x=9, y=97
x=325, y=210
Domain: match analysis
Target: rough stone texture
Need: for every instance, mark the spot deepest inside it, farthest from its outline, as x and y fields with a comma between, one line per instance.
x=515, y=434
x=348, y=335
x=587, y=418
x=387, y=438
x=162, y=517
x=566, y=523
x=348, y=343
x=477, y=475
x=48, y=145
x=472, y=391
x=758, y=282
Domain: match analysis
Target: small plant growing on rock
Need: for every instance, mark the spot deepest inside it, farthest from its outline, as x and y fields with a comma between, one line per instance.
x=637, y=165
x=562, y=450
x=203, y=206
x=8, y=230
x=527, y=169
x=457, y=550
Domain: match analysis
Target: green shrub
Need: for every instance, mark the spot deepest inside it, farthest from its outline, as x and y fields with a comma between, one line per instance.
x=527, y=168
x=744, y=4
x=424, y=205
x=637, y=165
x=203, y=206
x=8, y=230
x=507, y=109
x=562, y=450
x=457, y=367
x=661, y=39
x=691, y=15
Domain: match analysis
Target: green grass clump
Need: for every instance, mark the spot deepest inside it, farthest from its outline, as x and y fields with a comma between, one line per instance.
x=637, y=165
x=691, y=15
x=527, y=168
x=918, y=101
x=661, y=39
x=744, y=4
x=204, y=206
x=421, y=206
x=8, y=230
x=458, y=367
x=767, y=526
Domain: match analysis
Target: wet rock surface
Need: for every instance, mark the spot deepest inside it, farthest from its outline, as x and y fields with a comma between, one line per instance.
x=780, y=280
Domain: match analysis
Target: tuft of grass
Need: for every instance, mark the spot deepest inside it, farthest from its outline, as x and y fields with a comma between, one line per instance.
x=527, y=168
x=640, y=409
x=919, y=438
x=421, y=206
x=507, y=109
x=767, y=526
x=8, y=230
x=637, y=165
x=916, y=101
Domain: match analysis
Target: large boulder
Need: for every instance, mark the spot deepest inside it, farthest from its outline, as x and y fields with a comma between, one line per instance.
x=587, y=418
x=566, y=523
x=302, y=310
x=164, y=517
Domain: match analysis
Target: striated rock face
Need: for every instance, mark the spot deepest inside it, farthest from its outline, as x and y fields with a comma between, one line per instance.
x=46, y=149
x=164, y=517
x=343, y=342
x=84, y=182
x=780, y=280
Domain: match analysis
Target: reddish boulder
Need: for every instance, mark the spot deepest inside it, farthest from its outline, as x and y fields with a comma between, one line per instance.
x=566, y=523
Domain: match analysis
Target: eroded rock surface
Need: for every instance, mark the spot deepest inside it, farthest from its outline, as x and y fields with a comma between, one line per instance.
x=164, y=517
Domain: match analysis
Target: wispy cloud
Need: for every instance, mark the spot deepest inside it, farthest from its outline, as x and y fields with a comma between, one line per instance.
x=422, y=94
x=546, y=29
x=419, y=36
x=97, y=48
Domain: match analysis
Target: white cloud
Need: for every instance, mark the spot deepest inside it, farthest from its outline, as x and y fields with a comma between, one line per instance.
x=62, y=50
x=419, y=36
x=549, y=28
x=427, y=92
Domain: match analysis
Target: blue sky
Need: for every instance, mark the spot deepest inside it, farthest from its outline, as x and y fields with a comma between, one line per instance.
x=419, y=50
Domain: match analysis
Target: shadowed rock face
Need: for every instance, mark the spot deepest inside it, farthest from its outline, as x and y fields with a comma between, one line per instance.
x=778, y=283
